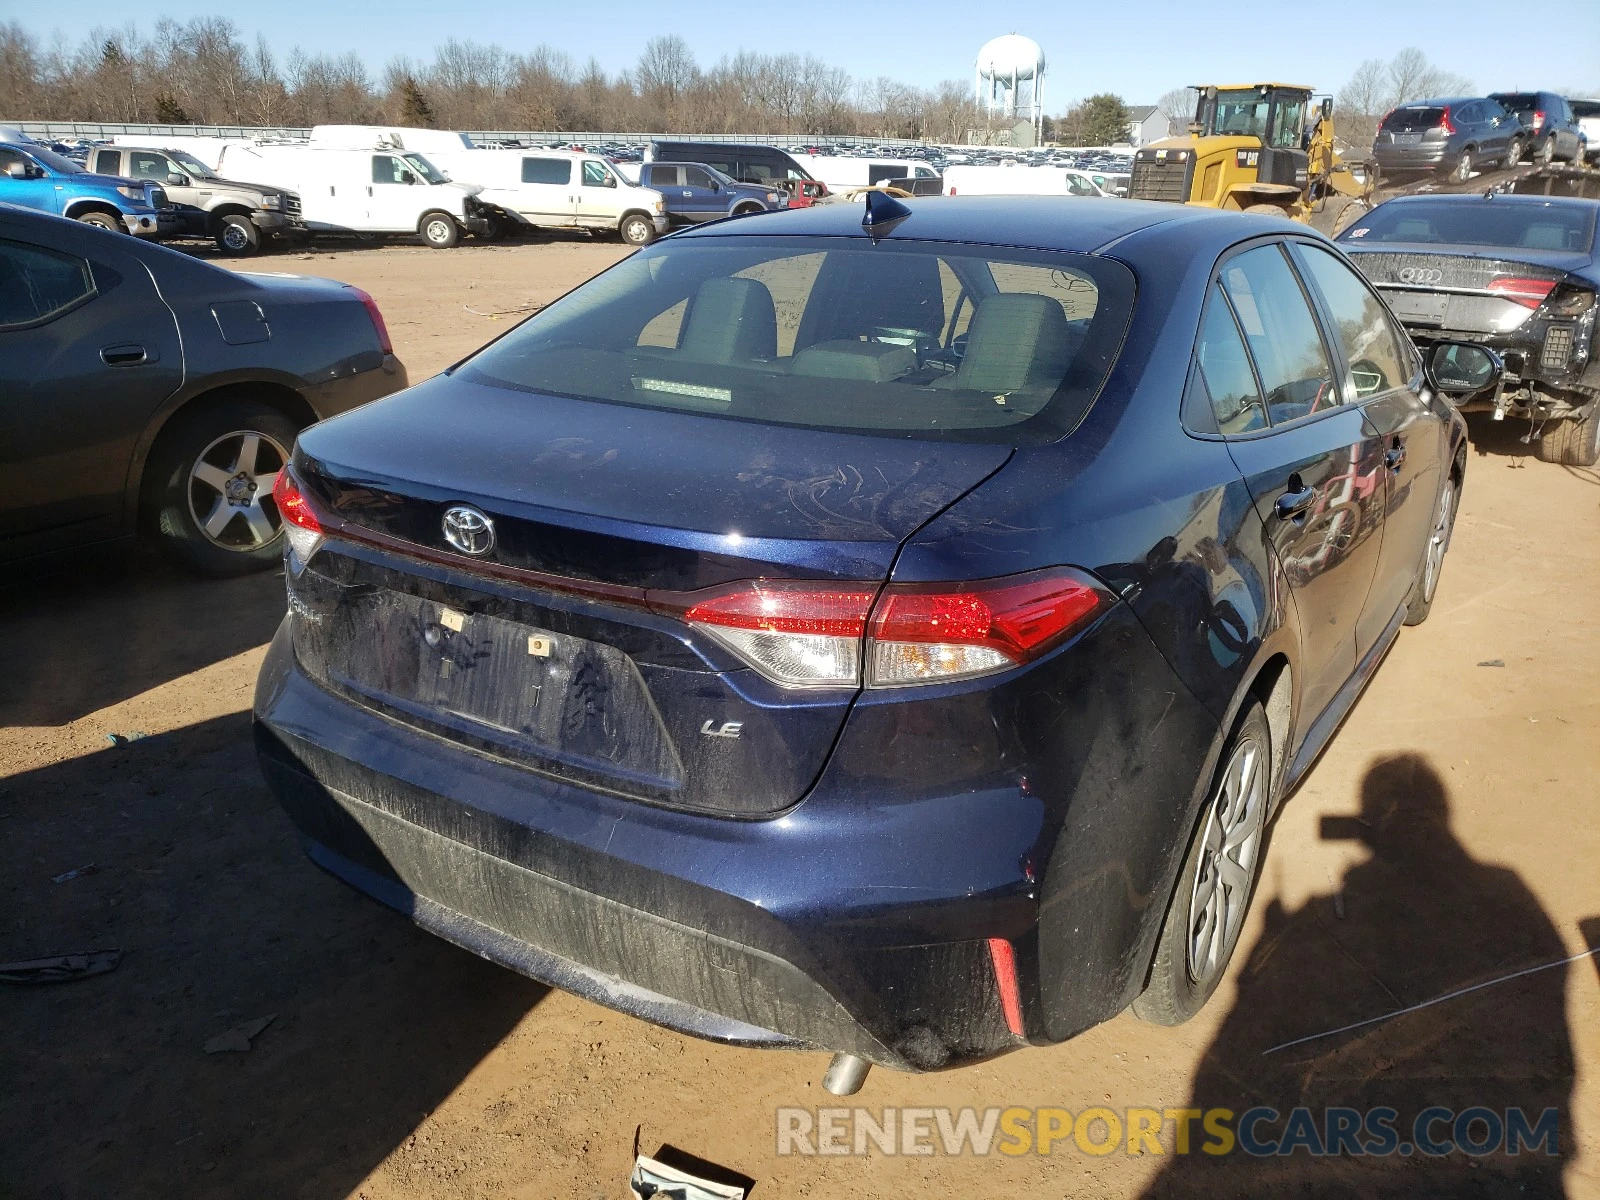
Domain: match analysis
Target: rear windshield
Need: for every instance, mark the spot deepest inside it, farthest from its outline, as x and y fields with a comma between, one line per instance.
x=1477, y=222
x=1518, y=102
x=1412, y=120
x=903, y=338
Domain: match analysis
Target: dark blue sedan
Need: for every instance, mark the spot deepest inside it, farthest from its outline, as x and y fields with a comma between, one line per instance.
x=890, y=640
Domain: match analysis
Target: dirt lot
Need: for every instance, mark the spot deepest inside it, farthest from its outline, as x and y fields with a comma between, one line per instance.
x=398, y=1066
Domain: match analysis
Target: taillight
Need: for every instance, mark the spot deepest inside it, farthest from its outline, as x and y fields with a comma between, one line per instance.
x=813, y=635
x=300, y=525
x=1444, y=123
x=1530, y=293
x=801, y=634
x=371, y=306
x=1538, y=121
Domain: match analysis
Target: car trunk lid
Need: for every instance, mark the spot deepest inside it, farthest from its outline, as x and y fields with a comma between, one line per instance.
x=561, y=648
x=1464, y=289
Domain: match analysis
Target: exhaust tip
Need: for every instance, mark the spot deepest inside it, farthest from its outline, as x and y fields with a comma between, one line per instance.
x=845, y=1074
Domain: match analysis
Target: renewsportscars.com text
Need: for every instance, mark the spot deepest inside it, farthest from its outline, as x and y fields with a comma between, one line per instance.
x=1099, y=1131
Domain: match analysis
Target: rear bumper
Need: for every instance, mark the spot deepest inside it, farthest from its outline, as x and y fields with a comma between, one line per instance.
x=710, y=926
x=1413, y=158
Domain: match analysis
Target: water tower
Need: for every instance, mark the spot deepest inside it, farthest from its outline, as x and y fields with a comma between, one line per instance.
x=1011, y=81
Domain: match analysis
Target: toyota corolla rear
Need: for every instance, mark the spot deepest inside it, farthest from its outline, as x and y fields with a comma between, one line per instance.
x=598, y=663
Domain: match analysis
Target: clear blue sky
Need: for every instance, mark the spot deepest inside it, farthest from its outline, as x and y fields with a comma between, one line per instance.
x=1137, y=48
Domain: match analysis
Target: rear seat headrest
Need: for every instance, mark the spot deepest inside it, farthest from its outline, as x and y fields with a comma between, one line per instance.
x=730, y=320
x=1017, y=340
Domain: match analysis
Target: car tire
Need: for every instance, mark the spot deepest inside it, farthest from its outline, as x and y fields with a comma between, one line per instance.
x=439, y=230
x=1547, y=152
x=495, y=230
x=237, y=236
x=1462, y=171
x=1513, y=158
x=196, y=459
x=1209, y=903
x=101, y=221
x=1338, y=214
x=1573, y=442
x=1267, y=210
x=637, y=229
x=1420, y=602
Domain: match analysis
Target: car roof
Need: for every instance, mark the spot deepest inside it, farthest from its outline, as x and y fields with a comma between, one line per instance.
x=1526, y=199
x=1080, y=225
x=1439, y=100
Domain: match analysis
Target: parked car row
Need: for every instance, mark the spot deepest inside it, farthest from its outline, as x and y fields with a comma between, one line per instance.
x=1457, y=135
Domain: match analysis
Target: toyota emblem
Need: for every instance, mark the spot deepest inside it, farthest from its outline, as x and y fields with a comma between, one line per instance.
x=468, y=530
x=1420, y=275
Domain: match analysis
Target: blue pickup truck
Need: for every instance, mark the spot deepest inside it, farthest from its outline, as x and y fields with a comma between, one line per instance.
x=695, y=192
x=34, y=176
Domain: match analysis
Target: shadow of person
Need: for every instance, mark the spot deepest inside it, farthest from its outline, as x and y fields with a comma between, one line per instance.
x=1420, y=918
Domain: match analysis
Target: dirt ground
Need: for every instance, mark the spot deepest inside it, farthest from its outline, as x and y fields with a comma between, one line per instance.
x=398, y=1066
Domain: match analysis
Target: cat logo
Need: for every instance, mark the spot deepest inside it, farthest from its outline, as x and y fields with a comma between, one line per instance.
x=1247, y=158
x=729, y=729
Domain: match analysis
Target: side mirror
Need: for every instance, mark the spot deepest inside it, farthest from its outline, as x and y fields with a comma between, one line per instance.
x=177, y=180
x=1327, y=107
x=1462, y=368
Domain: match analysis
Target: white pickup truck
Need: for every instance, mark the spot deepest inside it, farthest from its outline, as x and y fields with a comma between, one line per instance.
x=546, y=189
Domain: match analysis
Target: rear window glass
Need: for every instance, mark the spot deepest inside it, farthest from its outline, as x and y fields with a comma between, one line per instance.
x=1518, y=102
x=903, y=338
x=1412, y=120
x=1477, y=222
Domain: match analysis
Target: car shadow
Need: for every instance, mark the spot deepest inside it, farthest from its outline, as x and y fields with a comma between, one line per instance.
x=1417, y=920
x=109, y=626
x=1503, y=438
x=336, y=244
x=187, y=866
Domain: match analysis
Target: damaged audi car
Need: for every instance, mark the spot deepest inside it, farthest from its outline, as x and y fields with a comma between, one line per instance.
x=883, y=636
x=1517, y=274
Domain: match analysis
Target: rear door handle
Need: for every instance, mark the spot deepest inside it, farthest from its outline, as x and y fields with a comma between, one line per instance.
x=126, y=355
x=1292, y=506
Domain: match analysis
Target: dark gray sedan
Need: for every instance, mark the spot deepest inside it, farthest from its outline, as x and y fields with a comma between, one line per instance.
x=145, y=391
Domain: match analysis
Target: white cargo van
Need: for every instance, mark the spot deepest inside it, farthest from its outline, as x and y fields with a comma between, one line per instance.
x=1018, y=181
x=364, y=191
x=841, y=173
x=546, y=189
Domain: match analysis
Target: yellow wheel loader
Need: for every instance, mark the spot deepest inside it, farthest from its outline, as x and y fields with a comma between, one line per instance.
x=1259, y=147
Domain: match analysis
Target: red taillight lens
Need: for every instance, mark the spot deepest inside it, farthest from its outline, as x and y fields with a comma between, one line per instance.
x=922, y=632
x=1444, y=122
x=301, y=529
x=1538, y=121
x=1530, y=293
x=812, y=634
x=293, y=506
x=371, y=306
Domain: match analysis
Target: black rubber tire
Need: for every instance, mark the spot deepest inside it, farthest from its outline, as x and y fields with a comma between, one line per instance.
x=636, y=229
x=495, y=231
x=1420, y=603
x=166, y=483
x=101, y=220
x=1572, y=441
x=1338, y=213
x=1266, y=210
x=1171, y=996
x=1514, y=151
x=237, y=236
x=1462, y=171
x=1546, y=155
x=439, y=230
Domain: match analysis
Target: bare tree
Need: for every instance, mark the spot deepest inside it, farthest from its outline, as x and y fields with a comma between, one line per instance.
x=1178, y=107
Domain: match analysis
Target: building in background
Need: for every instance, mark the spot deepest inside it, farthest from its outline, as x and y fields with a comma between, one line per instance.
x=1146, y=123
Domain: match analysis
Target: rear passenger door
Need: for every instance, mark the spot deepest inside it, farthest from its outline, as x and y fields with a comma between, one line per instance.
x=1383, y=375
x=88, y=351
x=1313, y=464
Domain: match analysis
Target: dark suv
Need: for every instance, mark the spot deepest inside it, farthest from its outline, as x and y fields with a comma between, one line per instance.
x=1453, y=136
x=1551, y=129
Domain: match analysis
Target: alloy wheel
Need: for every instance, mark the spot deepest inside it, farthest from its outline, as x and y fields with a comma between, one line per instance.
x=228, y=483
x=1230, y=845
x=1438, y=540
x=234, y=238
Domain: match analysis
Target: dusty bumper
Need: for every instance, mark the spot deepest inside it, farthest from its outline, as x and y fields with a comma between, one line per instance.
x=558, y=884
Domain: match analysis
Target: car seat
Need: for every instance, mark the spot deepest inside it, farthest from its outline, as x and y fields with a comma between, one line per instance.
x=729, y=321
x=1016, y=340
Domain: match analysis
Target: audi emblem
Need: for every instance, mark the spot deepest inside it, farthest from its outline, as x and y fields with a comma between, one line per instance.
x=468, y=530
x=1420, y=275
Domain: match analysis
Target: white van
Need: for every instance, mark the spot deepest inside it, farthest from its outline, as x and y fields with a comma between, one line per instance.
x=547, y=189
x=364, y=191
x=841, y=173
x=1018, y=181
